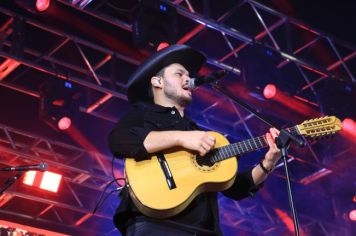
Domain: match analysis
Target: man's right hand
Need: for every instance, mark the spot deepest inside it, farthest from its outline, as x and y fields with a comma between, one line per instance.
x=199, y=141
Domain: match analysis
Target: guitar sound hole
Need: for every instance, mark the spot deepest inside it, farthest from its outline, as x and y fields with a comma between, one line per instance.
x=205, y=160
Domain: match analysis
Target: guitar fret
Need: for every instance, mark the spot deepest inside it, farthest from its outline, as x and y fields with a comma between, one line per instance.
x=214, y=158
x=249, y=142
x=221, y=153
x=254, y=141
x=259, y=139
x=245, y=145
x=225, y=151
x=237, y=148
x=233, y=149
x=229, y=150
x=217, y=156
x=241, y=147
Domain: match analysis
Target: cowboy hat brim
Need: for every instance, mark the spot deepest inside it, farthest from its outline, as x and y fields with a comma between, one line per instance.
x=140, y=80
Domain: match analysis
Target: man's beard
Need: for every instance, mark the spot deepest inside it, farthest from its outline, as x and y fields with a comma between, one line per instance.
x=184, y=101
x=181, y=100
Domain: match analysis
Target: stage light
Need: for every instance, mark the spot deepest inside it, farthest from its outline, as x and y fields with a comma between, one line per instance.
x=42, y=5
x=47, y=180
x=349, y=126
x=50, y=181
x=349, y=129
x=162, y=45
x=64, y=123
x=269, y=91
x=352, y=215
x=29, y=177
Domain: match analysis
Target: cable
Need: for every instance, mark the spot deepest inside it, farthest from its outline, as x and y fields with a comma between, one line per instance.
x=101, y=200
x=99, y=204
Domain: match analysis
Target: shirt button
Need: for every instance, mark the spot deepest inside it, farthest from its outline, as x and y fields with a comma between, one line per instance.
x=173, y=112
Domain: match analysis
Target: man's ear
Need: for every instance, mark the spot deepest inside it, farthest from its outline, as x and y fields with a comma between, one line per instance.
x=156, y=81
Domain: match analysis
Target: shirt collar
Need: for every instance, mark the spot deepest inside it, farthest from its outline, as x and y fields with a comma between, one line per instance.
x=157, y=108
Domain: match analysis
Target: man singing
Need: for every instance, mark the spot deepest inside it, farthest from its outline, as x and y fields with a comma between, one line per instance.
x=159, y=93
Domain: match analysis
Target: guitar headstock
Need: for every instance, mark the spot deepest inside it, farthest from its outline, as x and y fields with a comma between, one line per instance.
x=320, y=127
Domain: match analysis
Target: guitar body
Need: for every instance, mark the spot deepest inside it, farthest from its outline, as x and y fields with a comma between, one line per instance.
x=151, y=193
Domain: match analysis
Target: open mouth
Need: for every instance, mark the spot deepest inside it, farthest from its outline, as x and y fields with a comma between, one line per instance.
x=185, y=87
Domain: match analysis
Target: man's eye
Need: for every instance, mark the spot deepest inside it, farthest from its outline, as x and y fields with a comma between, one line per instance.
x=179, y=74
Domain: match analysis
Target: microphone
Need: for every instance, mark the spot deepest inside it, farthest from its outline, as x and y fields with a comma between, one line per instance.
x=213, y=77
x=41, y=167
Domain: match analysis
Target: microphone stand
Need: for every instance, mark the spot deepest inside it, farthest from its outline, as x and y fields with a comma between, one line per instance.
x=21, y=169
x=282, y=142
x=10, y=181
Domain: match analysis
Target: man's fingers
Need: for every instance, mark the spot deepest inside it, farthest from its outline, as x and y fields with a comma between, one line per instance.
x=210, y=142
x=209, y=139
x=206, y=146
x=270, y=139
x=202, y=151
x=274, y=132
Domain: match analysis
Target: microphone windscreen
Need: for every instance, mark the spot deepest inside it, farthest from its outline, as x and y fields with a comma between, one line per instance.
x=43, y=166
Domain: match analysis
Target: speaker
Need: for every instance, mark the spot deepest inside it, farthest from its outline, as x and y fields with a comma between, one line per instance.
x=154, y=22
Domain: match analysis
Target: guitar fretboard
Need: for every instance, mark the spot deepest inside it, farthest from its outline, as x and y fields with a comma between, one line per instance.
x=235, y=149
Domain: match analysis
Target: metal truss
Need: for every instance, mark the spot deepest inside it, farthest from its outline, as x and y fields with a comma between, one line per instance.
x=85, y=175
x=274, y=31
x=101, y=83
x=48, y=63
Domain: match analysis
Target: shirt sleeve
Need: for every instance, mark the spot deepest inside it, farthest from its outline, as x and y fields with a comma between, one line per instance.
x=126, y=139
x=243, y=186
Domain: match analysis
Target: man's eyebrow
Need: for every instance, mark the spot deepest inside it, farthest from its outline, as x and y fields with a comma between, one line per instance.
x=183, y=71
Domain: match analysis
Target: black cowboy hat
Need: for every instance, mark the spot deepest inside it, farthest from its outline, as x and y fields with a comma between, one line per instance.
x=140, y=80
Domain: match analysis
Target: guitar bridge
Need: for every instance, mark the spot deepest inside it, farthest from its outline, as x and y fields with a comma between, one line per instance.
x=166, y=171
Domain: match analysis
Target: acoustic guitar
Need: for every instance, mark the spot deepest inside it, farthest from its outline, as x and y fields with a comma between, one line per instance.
x=165, y=185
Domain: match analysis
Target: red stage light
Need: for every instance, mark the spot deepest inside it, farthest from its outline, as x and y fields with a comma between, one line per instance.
x=349, y=129
x=352, y=215
x=162, y=45
x=29, y=177
x=64, y=123
x=48, y=181
x=42, y=5
x=269, y=91
x=349, y=126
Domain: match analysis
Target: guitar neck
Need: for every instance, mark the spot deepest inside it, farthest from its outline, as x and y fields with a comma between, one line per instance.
x=249, y=145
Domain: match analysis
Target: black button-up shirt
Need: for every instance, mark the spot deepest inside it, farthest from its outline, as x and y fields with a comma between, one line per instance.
x=126, y=141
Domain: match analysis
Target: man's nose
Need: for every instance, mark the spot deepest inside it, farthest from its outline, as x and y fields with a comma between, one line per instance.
x=186, y=78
